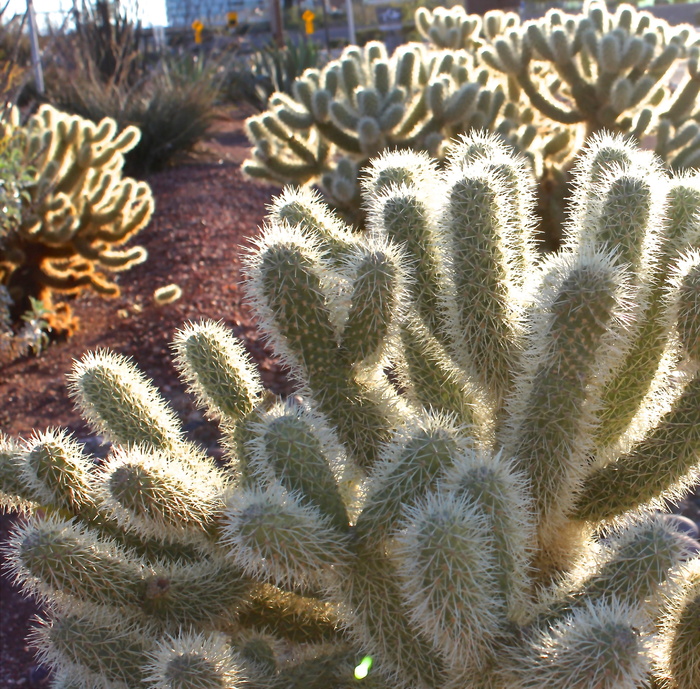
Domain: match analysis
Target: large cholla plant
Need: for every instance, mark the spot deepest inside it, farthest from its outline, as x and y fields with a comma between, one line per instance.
x=465, y=492
x=544, y=86
x=77, y=214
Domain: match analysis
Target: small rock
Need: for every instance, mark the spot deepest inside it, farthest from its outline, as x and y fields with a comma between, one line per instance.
x=684, y=525
x=38, y=677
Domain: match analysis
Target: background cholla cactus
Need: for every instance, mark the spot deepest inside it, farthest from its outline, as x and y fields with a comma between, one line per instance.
x=78, y=213
x=543, y=85
x=453, y=28
x=367, y=101
x=452, y=498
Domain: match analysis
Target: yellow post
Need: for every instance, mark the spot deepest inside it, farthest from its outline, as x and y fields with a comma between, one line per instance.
x=197, y=27
x=232, y=19
x=308, y=18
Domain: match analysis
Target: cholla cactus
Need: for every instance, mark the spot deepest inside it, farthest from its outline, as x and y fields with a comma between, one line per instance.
x=544, y=86
x=453, y=28
x=479, y=518
x=609, y=70
x=79, y=213
x=366, y=102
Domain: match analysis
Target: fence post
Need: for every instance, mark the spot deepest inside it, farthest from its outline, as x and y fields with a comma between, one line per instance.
x=34, y=44
x=351, y=22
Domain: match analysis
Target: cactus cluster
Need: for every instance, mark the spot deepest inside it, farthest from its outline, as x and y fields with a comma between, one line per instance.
x=544, y=86
x=466, y=490
x=366, y=102
x=452, y=28
x=79, y=212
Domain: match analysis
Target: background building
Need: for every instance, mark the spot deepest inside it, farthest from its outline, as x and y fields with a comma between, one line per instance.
x=213, y=12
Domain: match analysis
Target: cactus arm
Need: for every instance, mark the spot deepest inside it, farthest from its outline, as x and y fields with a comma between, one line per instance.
x=597, y=646
x=375, y=303
x=411, y=465
x=494, y=489
x=663, y=465
x=625, y=392
x=96, y=645
x=406, y=220
x=678, y=661
x=635, y=566
x=447, y=562
x=121, y=403
x=290, y=298
x=547, y=106
x=271, y=533
x=474, y=221
x=218, y=371
x=636, y=478
x=340, y=138
x=160, y=498
x=197, y=661
x=433, y=380
x=304, y=208
x=58, y=473
x=578, y=329
x=382, y=625
x=303, y=457
x=292, y=617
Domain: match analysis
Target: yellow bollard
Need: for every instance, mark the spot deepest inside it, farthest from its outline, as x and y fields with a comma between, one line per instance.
x=308, y=18
x=197, y=27
x=232, y=19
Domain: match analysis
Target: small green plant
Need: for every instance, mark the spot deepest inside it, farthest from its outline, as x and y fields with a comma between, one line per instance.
x=173, y=105
x=487, y=517
x=30, y=335
x=16, y=177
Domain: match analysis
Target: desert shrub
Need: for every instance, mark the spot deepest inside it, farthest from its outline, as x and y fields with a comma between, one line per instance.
x=543, y=86
x=487, y=520
x=173, y=106
x=99, y=71
x=276, y=68
x=253, y=78
x=106, y=41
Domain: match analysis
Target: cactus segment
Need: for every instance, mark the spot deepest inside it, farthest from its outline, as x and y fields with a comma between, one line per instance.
x=293, y=447
x=595, y=646
x=121, y=403
x=677, y=663
x=218, y=370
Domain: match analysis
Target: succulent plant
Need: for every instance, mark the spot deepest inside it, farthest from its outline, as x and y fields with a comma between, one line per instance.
x=78, y=213
x=544, y=86
x=452, y=28
x=365, y=102
x=450, y=499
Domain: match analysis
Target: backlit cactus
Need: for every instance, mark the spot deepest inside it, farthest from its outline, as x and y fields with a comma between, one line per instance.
x=448, y=501
x=80, y=211
x=365, y=102
x=544, y=86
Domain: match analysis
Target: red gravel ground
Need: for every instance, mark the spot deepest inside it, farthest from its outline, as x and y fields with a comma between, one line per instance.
x=206, y=212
